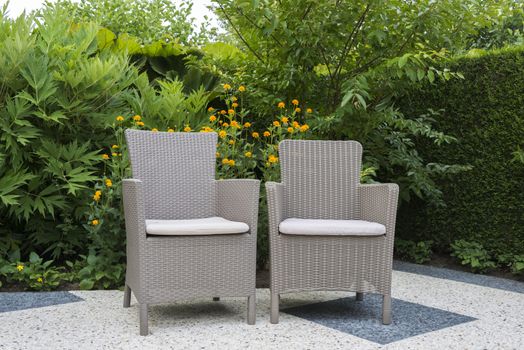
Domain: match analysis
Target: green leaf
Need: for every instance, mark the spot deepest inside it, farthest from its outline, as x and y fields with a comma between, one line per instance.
x=87, y=284
x=420, y=74
x=431, y=76
x=403, y=60
x=105, y=38
x=34, y=258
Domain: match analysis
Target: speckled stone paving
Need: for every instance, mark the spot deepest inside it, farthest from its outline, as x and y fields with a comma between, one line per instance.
x=428, y=313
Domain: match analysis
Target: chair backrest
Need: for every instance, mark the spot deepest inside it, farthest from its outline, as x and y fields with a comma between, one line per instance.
x=177, y=171
x=321, y=178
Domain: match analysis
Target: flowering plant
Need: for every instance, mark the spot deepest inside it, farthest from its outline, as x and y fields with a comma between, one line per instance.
x=245, y=149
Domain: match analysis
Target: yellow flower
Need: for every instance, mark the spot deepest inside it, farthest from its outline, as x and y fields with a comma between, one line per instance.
x=231, y=112
x=227, y=87
x=217, y=154
x=225, y=161
x=137, y=118
x=187, y=128
x=225, y=124
x=309, y=110
x=114, y=146
x=276, y=123
x=255, y=135
x=109, y=183
x=39, y=280
x=290, y=130
x=96, y=196
x=295, y=102
x=105, y=156
x=298, y=110
x=154, y=130
x=140, y=123
x=234, y=105
x=119, y=118
x=210, y=109
x=20, y=267
x=281, y=105
x=114, y=154
x=206, y=129
x=247, y=125
x=223, y=112
x=212, y=118
x=234, y=98
x=267, y=133
x=231, y=142
x=231, y=162
x=285, y=120
x=248, y=154
x=235, y=124
x=241, y=88
x=272, y=159
x=222, y=134
x=95, y=222
x=296, y=124
x=304, y=128
x=170, y=130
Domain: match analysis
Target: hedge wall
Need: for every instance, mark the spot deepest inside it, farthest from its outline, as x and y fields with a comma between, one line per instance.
x=485, y=111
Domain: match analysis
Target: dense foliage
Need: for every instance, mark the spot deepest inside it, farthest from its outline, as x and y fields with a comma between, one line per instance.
x=484, y=206
x=60, y=91
x=352, y=60
x=502, y=31
x=75, y=75
x=149, y=20
x=67, y=98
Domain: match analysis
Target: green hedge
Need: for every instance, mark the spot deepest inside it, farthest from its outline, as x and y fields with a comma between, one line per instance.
x=485, y=111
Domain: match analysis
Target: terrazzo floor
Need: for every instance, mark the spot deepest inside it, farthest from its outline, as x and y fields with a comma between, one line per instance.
x=432, y=309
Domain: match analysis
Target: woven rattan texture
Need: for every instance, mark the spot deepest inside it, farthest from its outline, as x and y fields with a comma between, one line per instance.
x=298, y=263
x=320, y=178
x=164, y=269
x=177, y=170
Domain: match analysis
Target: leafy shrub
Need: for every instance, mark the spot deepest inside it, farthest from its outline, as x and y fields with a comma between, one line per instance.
x=517, y=265
x=485, y=112
x=418, y=252
x=473, y=255
x=36, y=274
x=150, y=20
x=246, y=149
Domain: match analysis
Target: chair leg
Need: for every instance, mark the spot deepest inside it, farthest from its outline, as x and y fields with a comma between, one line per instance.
x=143, y=320
x=360, y=296
x=127, y=296
x=251, y=309
x=386, y=309
x=275, y=299
x=216, y=298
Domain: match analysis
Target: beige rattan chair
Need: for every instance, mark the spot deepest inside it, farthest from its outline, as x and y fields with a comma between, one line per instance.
x=188, y=235
x=326, y=230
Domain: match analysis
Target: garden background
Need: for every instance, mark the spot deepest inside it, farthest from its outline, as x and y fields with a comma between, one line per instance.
x=433, y=91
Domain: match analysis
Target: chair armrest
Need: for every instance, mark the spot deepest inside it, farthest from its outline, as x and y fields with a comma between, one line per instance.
x=275, y=206
x=134, y=209
x=237, y=200
x=378, y=203
x=135, y=219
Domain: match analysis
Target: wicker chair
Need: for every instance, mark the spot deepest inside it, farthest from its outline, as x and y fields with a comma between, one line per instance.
x=326, y=230
x=188, y=235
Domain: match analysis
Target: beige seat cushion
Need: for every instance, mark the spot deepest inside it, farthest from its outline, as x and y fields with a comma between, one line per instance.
x=198, y=227
x=316, y=227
